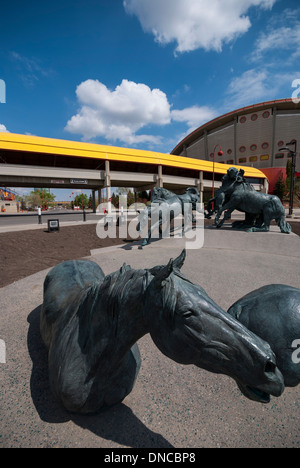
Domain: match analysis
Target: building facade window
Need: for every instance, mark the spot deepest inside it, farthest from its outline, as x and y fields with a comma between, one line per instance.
x=279, y=156
x=242, y=149
x=230, y=161
x=266, y=114
x=242, y=160
x=243, y=119
x=265, y=145
x=264, y=157
x=253, y=158
x=253, y=147
x=254, y=117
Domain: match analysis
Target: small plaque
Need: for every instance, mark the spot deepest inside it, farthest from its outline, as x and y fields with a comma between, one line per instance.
x=53, y=225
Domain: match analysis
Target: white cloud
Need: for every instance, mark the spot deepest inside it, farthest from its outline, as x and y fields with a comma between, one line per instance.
x=282, y=34
x=3, y=128
x=30, y=69
x=194, y=116
x=119, y=114
x=257, y=85
x=194, y=24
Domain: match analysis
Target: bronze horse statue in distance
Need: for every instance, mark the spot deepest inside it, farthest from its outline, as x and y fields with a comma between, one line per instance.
x=165, y=207
x=260, y=208
x=91, y=323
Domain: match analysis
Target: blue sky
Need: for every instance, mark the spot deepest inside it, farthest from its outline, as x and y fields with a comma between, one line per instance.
x=141, y=73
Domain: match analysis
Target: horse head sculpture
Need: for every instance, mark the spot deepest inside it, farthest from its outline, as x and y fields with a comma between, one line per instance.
x=190, y=328
x=91, y=323
x=273, y=313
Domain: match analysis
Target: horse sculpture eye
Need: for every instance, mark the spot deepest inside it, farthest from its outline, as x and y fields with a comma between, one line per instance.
x=188, y=314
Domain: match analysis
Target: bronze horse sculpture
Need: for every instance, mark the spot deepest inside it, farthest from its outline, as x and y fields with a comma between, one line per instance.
x=273, y=313
x=260, y=208
x=165, y=207
x=223, y=194
x=263, y=205
x=90, y=324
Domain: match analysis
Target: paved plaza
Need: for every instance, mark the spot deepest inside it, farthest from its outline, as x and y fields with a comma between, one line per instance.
x=171, y=405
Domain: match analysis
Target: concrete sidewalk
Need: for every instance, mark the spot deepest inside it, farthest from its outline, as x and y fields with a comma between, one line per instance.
x=171, y=405
x=34, y=225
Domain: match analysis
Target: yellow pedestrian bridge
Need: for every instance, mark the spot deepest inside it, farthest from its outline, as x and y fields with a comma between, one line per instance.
x=30, y=161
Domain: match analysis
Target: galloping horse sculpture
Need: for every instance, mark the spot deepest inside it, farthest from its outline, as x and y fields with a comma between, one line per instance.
x=91, y=323
x=260, y=208
x=166, y=206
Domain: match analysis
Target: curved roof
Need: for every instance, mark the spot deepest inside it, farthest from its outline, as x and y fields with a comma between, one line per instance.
x=41, y=145
x=282, y=104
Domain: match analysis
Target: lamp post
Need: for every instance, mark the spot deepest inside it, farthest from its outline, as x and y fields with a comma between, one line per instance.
x=220, y=153
x=292, y=185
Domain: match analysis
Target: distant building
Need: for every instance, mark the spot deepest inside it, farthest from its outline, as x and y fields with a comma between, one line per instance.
x=251, y=136
x=9, y=207
x=8, y=201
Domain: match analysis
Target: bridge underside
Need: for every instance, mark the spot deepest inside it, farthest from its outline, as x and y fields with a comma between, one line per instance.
x=34, y=176
x=27, y=161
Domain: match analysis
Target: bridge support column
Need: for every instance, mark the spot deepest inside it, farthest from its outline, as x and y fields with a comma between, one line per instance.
x=200, y=187
x=107, y=185
x=99, y=197
x=94, y=200
x=159, y=178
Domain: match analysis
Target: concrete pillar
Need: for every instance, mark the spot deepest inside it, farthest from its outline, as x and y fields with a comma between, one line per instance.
x=159, y=180
x=200, y=186
x=99, y=197
x=108, y=185
x=94, y=200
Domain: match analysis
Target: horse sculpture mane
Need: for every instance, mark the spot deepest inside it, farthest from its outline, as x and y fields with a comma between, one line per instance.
x=91, y=323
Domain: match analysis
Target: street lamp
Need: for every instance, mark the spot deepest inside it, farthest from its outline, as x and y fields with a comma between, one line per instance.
x=292, y=185
x=220, y=153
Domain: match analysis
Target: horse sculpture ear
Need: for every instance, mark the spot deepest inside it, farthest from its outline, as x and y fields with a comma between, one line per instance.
x=165, y=272
x=179, y=261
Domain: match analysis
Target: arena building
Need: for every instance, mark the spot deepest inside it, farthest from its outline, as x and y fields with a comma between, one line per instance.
x=251, y=136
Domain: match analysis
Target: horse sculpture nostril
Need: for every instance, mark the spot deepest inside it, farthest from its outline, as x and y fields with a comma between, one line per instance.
x=270, y=367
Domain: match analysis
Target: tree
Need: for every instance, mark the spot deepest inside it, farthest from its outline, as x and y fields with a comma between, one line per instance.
x=81, y=200
x=288, y=173
x=280, y=188
x=40, y=197
x=115, y=200
x=289, y=170
x=90, y=203
x=126, y=191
